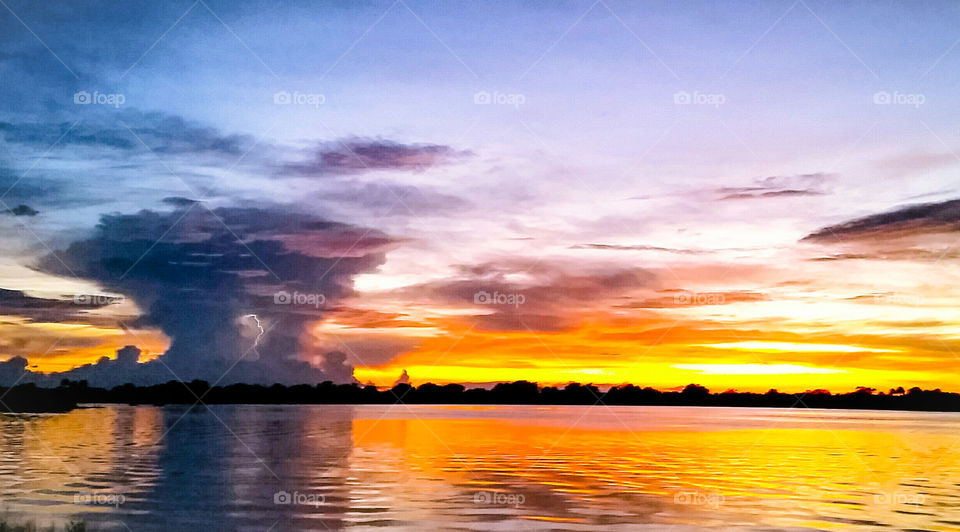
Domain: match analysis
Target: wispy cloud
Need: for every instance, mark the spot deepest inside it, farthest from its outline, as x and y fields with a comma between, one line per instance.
x=778, y=187
x=354, y=155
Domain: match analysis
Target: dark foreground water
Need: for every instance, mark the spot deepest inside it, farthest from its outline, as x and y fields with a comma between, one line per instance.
x=481, y=468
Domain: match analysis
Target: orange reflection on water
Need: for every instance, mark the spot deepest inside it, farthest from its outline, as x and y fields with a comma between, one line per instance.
x=672, y=466
x=481, y=468
x=86, y=452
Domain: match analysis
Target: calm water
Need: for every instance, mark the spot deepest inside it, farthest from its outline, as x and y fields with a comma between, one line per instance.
x=482, y=468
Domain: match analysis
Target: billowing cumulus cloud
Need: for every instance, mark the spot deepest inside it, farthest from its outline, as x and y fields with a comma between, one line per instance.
x=209, y=279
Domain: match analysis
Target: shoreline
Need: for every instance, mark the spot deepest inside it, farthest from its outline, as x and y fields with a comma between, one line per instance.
x=29, y=398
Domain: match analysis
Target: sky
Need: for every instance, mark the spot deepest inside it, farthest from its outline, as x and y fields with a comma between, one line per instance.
x=740, y=195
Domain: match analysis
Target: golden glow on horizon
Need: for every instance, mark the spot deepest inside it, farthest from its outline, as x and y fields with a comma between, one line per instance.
x=60, y=345
x=754, y=369
x=740, y=345
x=798, y=347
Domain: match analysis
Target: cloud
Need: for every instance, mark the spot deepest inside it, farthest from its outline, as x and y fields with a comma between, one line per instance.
x=111, y=372
x=178, y=201
x=15, y=302
x=906, y=254
x=126, y=368
x=684, y=298
x=197, y=273
x=942, y=217
x=357, y=155
x=638, y=247
x=551, y=297
x=778, y=187
x=21, y=210
x=17, y=190
x=48, y=191
x=917, y=162
x=46, y=134
x=390, y=198
x=161, y=132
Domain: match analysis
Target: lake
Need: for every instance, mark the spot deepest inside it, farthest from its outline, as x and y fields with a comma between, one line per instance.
x=481, y=468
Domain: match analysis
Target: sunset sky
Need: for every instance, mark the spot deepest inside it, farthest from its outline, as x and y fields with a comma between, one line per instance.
x=740, y=195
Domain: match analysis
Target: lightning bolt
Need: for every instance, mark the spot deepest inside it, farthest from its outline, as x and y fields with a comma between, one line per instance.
x=259, y=326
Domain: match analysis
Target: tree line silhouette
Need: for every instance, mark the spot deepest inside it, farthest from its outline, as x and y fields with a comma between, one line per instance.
x=70, y=394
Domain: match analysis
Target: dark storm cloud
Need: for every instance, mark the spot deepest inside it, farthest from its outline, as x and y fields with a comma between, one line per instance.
x=356, y=155
x=924, y=218
x=200, y=274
